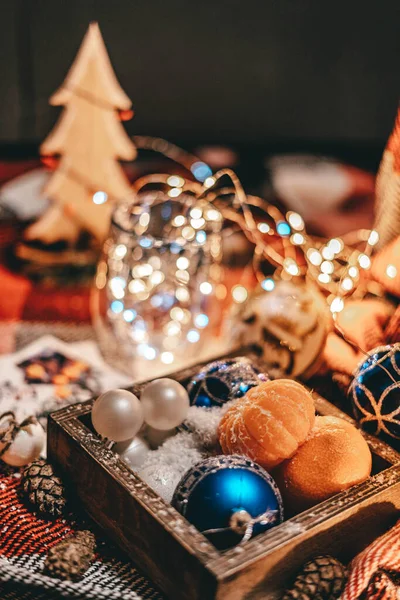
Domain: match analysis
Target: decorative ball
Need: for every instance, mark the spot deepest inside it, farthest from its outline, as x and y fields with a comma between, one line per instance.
x=224, y=380
x=287, y=323
x=133, y=452
x=375, y=392
x=165, y=404
x=117, y=415
x=270, y=423
x=25, y=447
x=227, y=496
x=334, y=458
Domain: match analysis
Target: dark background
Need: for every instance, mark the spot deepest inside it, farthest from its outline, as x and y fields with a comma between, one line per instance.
x=273, y=74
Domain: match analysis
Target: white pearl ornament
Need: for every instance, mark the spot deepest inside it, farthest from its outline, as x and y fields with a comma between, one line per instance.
x=133, y=452
x=165, y=404
x=26, y=446
x=163, y=479
x=117, y=415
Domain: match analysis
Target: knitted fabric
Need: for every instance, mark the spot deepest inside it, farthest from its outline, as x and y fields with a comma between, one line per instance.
x=387, y=190
x=24, y=541
x=375, y=573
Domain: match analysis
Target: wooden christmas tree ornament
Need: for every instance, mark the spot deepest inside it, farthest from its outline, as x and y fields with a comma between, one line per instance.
x=90, y=139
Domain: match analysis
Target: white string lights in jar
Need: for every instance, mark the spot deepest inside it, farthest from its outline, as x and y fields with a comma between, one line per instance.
x=157, y=275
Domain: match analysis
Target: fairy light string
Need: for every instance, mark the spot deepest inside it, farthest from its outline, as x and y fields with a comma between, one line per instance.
x=335, y=265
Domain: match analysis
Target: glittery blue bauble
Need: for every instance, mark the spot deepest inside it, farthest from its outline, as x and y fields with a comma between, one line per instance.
x=212, y=491
x=224, y=380
x=375, y=392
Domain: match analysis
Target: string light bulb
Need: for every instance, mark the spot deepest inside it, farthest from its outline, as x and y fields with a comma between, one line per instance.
x=263, y=227
x=364, y=261
x=167, y=358
x=347, y=284
x=268, y=284
x=391, y=271
x=353, y=272
x=335, y=245
x=314, y=257
x=209, y=182
x=373, y=238
x=327, y=267
x=324, y=278
x=179, y=221
x=196, y=213
x=297, y=239
x=100, y=197
x=291, y=267
x=295, y=221
x=328, y=253
x=206, y=288
x=175, y=181
x=239, y=294
x=174, y=192
x=337, y=305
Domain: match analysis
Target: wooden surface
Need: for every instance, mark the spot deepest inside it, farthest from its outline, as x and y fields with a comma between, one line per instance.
x=180, y=559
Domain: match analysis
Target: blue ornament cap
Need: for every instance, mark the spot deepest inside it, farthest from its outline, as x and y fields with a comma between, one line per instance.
x=375, y=393
x=220, y=488
x=224, y=380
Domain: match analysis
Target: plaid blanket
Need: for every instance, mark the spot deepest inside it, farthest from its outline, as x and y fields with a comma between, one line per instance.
x=25, y=538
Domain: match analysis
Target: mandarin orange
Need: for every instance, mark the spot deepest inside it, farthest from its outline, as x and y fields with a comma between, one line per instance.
x=270, y=423
x=334, y=457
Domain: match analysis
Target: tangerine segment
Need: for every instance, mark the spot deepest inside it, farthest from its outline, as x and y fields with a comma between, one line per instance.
x=249, y=446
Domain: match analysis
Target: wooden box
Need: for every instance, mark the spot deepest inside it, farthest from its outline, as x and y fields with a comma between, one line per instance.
x=177, y=557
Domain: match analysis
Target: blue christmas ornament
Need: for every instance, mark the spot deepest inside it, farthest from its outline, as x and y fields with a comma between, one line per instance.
x=224, y=380
x=375, y=392
x=229, y=499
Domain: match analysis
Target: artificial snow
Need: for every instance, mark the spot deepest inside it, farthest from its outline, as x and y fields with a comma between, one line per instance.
x=164, y=467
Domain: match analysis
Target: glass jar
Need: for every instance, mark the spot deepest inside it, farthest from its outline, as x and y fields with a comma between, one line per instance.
x=154, y=305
